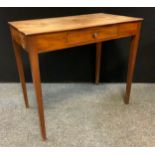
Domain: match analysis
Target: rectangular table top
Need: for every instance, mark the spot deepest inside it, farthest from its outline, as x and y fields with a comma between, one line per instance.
x=38, y=26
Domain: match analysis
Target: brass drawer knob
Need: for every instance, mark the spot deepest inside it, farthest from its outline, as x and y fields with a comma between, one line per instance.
x=95, y=35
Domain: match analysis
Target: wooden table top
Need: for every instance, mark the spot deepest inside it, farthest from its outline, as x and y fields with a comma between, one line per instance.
x=38, y=26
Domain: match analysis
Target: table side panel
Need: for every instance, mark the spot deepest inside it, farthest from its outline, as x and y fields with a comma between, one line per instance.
x=18, y=37
x=127, y=28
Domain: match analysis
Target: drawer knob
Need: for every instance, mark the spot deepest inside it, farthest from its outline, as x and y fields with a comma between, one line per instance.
x=95, y=35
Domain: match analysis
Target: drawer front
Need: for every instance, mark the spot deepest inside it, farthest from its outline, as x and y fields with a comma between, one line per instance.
x=60, y=40
x=91, y=35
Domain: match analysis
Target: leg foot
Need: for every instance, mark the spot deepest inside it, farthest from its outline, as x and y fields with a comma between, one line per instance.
x=126, y=99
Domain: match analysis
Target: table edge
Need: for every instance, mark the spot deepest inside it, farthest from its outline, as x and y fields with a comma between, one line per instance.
x=31, y=34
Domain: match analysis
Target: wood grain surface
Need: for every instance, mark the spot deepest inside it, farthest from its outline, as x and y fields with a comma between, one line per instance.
x=30, y=27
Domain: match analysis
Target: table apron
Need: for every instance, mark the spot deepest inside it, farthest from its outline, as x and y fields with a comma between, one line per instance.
x=60, y=40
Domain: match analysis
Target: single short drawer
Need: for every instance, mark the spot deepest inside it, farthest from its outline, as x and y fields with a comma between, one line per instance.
x=91, y=35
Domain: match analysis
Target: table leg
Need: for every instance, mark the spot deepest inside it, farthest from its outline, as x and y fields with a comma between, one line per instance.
x=98, y=62
x=131, y=63
x=34, y=62
x=21, y=71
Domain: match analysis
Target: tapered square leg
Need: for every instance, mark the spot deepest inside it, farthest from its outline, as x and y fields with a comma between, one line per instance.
x=33, y=56
x=21, y=71
x=131, y=63
x=98, y=62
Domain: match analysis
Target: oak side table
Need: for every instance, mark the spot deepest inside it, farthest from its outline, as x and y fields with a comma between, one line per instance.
x=46, y=35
